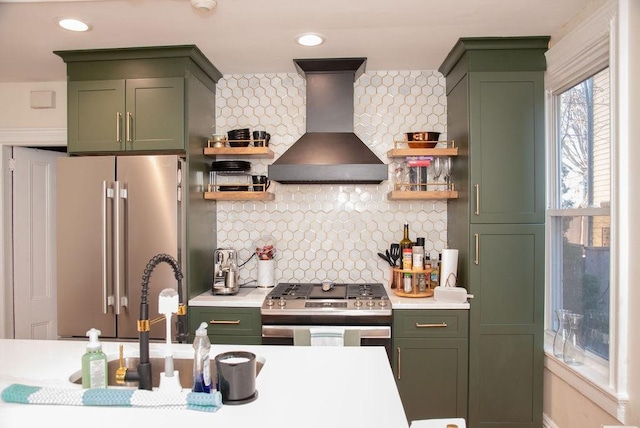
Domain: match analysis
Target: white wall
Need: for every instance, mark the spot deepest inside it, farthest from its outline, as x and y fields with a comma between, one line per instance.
x=21, y=125
x=16, y=111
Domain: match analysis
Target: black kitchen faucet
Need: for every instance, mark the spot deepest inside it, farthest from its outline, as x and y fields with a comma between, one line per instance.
x=143, y=374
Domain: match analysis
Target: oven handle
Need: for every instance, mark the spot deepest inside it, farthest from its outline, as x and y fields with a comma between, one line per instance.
x=286, y=331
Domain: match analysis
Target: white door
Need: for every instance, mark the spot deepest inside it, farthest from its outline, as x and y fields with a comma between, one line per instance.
x=34, y=243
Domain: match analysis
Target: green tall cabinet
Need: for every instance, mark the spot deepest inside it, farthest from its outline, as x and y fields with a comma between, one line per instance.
x=495, y=107
x=151, y=100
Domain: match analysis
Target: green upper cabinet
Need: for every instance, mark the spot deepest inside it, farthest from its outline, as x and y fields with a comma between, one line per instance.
x=155, y=114
x=506, y=147
x=135, y=114
x=495, y=91
x=134, y=99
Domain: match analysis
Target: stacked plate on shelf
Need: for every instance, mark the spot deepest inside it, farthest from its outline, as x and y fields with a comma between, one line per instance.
x=231, y=167
x=239, y=137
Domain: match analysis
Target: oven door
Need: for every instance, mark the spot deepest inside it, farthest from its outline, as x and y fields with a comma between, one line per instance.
x=379, y=335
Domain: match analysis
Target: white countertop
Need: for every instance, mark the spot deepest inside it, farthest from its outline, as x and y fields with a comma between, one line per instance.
x=253, y=297
x=247, y=297
x=297, y=387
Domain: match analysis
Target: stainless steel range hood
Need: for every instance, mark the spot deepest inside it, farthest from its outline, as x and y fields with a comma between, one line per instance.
x=329, y=152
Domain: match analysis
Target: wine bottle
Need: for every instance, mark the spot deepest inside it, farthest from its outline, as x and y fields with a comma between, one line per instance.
x=405, y=247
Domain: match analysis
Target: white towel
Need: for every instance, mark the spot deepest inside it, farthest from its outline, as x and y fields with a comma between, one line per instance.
x=327, y=336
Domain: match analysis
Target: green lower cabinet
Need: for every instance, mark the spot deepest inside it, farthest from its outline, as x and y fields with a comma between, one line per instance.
x=506, y=335
x=237, y=326
x=430, y=362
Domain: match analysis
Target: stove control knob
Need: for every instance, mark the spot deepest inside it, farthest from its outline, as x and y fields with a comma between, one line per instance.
x=357, y=303
x=371, y=303
x=269, y=302
x=282, y=302
x=383, y=303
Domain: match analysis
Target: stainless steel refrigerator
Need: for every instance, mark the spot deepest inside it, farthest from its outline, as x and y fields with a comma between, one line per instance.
x=114, y=213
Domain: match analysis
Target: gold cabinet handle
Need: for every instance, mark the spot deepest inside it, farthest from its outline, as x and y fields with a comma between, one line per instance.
x=399, y=362
x=476, y=237
x=118, y=120
x=226, y=322
x=128, y=127
x=477, y=211
x=437, y=325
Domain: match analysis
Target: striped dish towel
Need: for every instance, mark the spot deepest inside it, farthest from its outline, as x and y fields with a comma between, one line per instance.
x=326, y=336
x=25, y=394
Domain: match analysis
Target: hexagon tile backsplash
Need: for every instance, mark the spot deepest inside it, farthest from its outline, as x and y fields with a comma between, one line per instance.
x=330, y=231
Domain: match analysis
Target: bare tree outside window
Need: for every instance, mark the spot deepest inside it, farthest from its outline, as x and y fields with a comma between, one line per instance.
x=584, y=164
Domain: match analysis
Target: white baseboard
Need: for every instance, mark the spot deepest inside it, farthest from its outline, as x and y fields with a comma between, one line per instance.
x=547, y=422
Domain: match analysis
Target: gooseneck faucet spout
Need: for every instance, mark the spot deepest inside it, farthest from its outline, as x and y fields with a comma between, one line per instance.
x=143, y=374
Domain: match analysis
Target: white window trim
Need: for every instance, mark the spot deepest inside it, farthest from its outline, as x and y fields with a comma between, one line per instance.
x=587, y=49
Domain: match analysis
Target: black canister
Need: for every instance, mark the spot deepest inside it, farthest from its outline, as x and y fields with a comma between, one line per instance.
x=236, y=377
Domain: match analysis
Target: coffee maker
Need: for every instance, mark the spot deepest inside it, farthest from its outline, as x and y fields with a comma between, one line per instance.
x=225, y=271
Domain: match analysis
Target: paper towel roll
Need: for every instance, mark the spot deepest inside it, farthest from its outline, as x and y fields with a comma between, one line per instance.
x=449, y=268
x=266, y=273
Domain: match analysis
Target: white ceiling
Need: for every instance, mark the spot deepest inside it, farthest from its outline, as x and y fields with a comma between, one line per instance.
x=257, y=36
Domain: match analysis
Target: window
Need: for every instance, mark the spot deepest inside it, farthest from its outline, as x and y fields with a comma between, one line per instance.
x=587, y=215
x=579, y=217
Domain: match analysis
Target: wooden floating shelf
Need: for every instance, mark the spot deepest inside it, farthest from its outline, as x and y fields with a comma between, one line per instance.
x=406, y=195
x=239, y=196
x=401, y=153
x=264, y=152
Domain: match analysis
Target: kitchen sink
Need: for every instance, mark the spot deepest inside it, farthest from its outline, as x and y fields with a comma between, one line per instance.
x=183, y=365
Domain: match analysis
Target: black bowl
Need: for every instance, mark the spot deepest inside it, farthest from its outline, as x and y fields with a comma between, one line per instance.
x=239, y=143
x=245, y=132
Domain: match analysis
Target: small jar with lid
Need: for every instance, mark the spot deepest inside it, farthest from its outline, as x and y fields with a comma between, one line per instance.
x=407, y=283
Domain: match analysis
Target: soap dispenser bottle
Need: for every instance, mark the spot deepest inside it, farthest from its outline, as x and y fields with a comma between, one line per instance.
x=201, y=360
x=94, y=363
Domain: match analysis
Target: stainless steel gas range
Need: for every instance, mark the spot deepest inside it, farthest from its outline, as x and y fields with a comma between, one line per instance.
x=363, y=306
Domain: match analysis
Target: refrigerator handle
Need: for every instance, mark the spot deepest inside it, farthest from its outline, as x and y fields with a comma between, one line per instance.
x=107, y=299
x=122, y=298
x=116, y=247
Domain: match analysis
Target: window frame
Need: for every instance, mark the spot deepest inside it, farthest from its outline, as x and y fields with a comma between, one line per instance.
x=586, y=50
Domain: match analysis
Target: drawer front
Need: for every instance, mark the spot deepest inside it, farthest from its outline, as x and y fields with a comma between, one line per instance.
x=227, y=321
x=430, y=323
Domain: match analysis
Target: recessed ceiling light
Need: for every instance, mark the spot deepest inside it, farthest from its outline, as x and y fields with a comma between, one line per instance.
x=73, y=24
x=310, y=39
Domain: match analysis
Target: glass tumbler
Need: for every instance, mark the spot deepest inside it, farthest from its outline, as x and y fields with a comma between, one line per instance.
x=562, y=332
x=573, y=352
